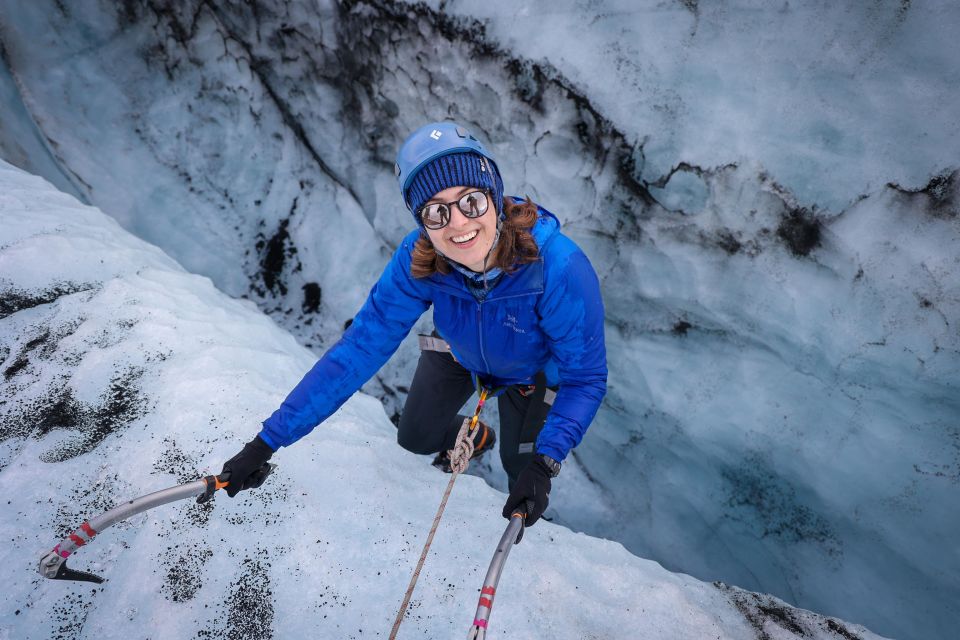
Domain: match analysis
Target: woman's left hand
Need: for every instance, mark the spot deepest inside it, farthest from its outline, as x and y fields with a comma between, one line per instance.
x=530, y=493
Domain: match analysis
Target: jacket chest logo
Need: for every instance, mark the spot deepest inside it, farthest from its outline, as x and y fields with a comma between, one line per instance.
x=511, y=323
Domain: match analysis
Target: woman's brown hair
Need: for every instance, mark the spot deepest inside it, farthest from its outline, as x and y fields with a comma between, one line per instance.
x=515, y=247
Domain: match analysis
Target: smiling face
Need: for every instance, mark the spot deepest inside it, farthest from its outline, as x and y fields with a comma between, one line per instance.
x=466, y=240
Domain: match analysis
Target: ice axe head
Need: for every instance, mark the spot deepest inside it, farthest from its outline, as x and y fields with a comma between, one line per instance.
x=54, y=566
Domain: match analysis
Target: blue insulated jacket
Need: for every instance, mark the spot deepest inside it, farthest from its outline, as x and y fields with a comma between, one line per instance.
x=546, y=316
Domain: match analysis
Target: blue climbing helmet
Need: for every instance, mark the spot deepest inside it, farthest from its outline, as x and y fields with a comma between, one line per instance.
x=440, y=155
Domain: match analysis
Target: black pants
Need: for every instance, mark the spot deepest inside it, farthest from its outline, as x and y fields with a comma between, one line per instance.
x=431, y=420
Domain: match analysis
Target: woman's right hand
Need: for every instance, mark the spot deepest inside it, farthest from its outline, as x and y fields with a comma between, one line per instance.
x=248, y=469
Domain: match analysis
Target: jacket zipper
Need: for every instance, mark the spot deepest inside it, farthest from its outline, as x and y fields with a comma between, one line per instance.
x=483, y=356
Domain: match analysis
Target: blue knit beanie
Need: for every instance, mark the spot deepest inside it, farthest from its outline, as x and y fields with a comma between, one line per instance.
x=463, y=169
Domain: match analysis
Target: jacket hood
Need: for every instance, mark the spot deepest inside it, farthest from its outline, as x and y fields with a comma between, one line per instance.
x=546, y=228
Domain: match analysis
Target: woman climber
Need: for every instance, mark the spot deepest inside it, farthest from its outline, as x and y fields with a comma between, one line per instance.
x=517, y=311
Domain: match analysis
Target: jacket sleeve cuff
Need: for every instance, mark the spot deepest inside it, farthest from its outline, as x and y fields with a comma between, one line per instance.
x=268, y=440
x=553, y=452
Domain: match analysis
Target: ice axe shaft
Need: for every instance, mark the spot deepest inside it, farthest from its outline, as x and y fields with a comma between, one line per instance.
x=510, y=537
x=53, y=564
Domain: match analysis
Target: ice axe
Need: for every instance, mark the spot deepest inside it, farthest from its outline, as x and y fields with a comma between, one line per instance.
x=511, y=536
x=53, y=564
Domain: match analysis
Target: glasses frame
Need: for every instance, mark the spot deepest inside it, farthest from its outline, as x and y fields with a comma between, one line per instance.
x=423, y=209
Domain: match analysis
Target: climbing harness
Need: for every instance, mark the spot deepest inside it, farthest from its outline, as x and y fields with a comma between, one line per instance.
x=540, y=398
x=53, y=564
x=433, y=343
x=459, y=461
x=510, y=537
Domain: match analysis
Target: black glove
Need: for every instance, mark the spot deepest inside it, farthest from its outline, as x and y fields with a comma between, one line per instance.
x=248, y=469
x=530, y=493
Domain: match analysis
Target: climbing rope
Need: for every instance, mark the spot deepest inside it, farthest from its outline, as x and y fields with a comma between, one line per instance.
x=463, y=450
x=459, y=461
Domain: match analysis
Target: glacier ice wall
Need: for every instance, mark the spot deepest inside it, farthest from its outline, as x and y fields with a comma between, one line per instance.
x=124, y=374
x=768, y=193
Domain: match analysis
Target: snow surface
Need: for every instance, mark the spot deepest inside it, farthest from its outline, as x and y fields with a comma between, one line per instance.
x=137, y=375
x=785, y=362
